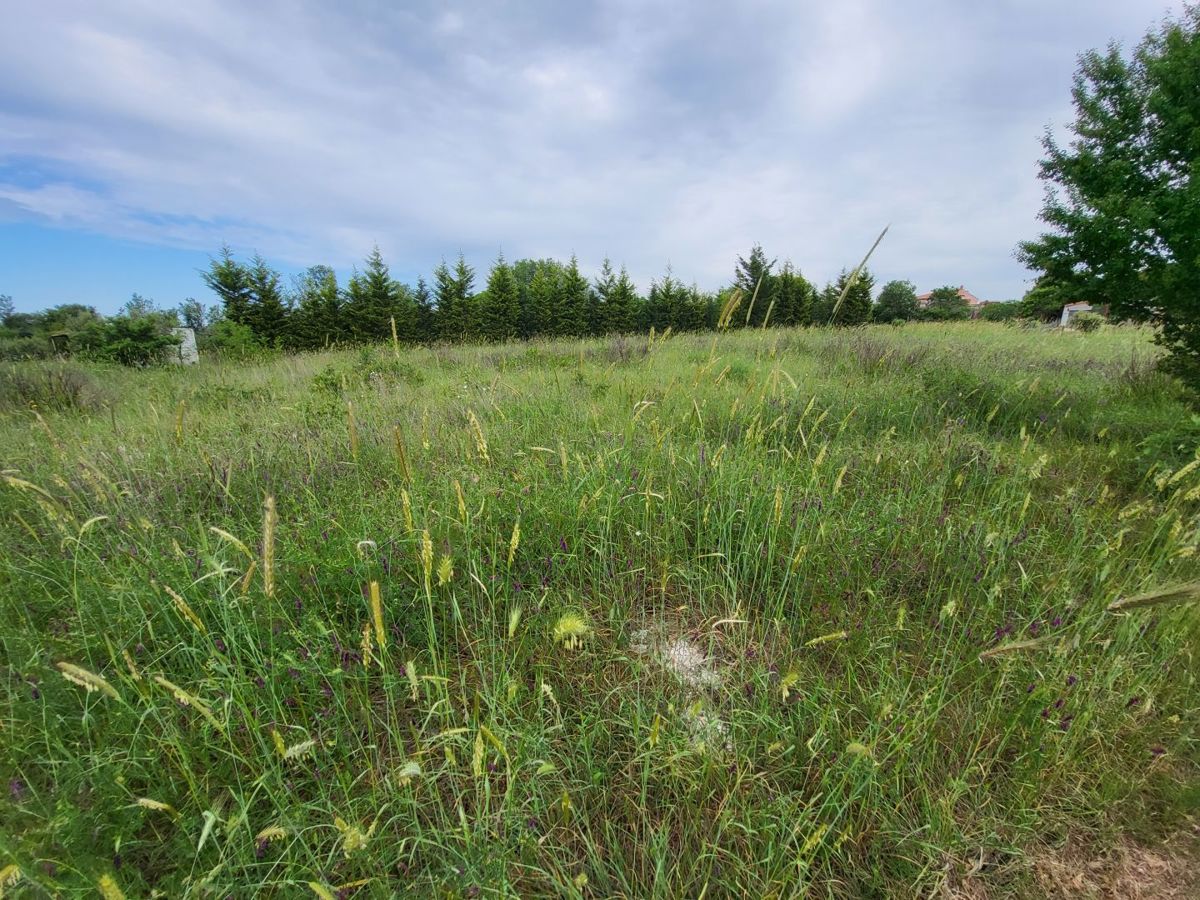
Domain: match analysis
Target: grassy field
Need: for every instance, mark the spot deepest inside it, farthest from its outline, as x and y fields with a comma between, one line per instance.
x=746, y=615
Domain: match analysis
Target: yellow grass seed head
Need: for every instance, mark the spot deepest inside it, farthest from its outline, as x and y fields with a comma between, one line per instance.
x=406, y=507
x=9, y=876
x=270, y=520
x=445, y=570
x=89, y=681
x=514, y=542
x=481, y=447
x=157, y=806
x=185, y=610
x=462, y=501
x=571, y=629
x=410, y=670
x=299, y=751
x=426, y=557
x=367, y=645
x=354, y=839
x=827, y=638
x=407, y=772
x=377, y=616
x=270, y=833
x=109, y=889
x=401, y=454
x=352, y=429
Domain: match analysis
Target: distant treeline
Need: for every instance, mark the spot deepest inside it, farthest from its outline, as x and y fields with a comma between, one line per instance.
x=527, y=298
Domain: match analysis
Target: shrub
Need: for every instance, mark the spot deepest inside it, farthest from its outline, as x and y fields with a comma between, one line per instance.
x=229, y=339
x=13, y=346
x=1000, y=312
x=58, y=386
x=1087, y=321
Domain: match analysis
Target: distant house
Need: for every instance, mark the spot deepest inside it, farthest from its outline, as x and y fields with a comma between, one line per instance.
x=1071, y=310
x=973, y=302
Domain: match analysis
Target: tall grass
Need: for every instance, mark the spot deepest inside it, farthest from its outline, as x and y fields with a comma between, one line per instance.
x=775, y=612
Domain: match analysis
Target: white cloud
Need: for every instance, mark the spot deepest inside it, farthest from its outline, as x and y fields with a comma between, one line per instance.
x=646, y=131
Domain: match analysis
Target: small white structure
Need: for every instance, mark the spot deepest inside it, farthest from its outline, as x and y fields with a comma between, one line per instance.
x=1071, y=310
x=186, y=353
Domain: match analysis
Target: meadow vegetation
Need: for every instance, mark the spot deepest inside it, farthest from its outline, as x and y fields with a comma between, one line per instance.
x=741, y=614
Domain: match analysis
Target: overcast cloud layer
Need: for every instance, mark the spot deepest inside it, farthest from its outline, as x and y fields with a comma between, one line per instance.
x=652, y=132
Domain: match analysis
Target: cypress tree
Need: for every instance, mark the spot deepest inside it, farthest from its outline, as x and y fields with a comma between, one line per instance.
x=602, y=296
x=229, y=280
x=571, y=314
x=623, y=305
x=426, y=321
x=375, y=298
x=449, y=314
x=464, y=297
x=855, y=308
x=793, y=298
x=317, y=319
x=545, y=289
x=268, y=313
x=750, y=274
x=500, y=306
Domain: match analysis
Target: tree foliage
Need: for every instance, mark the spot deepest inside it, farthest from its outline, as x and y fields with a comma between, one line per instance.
x=1123, y=197
x=947, y=304
x=897, y=302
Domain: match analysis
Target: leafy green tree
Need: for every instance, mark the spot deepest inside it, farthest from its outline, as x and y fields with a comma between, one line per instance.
x=500, y=304
x=750, y=274
x=1002, y=311
x=947, y=304
x=230, y=281
x=897, y=302
x=229, y=339
x=1123, y=198
x=1044, y=301
x=191, y=314
x=138, y=306
x=135, y=340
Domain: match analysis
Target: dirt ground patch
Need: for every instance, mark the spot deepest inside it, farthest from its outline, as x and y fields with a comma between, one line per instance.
x=1167, y=872
x=1128, y=871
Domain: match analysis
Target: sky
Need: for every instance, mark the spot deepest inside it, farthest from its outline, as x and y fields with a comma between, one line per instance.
x=137, y=136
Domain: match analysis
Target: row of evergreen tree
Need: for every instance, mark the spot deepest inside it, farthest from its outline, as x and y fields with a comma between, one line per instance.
x=524, y=299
